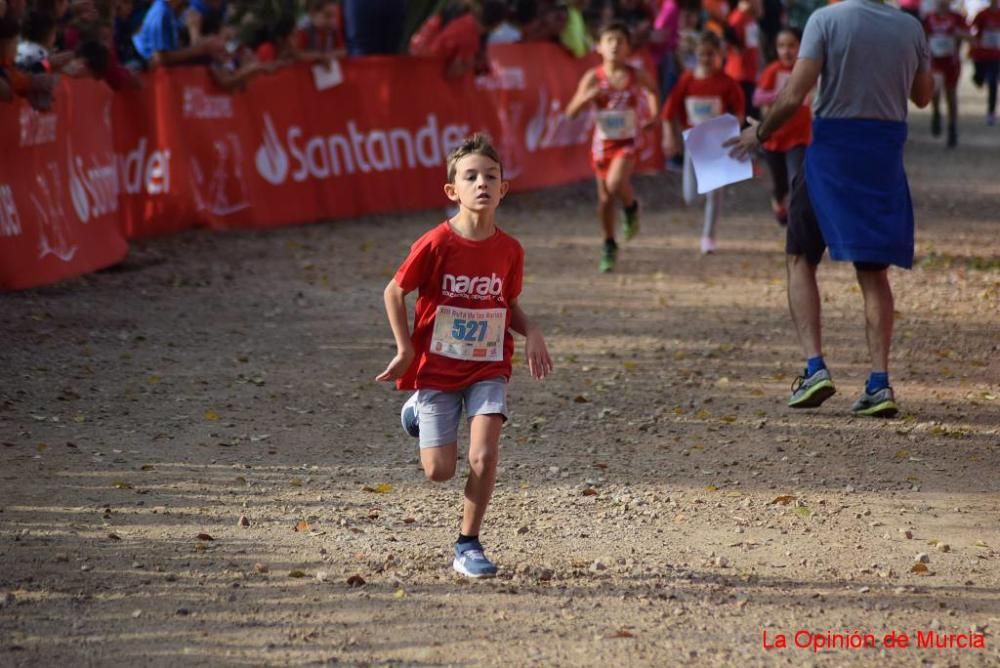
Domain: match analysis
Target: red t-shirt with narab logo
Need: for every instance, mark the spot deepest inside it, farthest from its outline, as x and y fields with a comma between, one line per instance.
x=460, y=326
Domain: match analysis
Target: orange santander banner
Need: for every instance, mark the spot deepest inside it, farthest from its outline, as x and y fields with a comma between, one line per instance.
x=300, y=145
x=58, y=188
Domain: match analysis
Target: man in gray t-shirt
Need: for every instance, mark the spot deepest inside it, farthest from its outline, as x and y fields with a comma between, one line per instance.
x=869, y=60
x=870, y=54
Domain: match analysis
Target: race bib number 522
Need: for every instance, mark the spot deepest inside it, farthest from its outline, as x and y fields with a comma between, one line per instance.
x=474, y=335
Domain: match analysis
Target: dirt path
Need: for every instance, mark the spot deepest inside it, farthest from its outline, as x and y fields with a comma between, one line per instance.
x=635, y=521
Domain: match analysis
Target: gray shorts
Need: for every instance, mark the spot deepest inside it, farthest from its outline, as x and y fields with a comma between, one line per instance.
x=439, y=413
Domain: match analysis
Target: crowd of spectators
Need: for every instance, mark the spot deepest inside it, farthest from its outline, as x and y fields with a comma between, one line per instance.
x=112, y=40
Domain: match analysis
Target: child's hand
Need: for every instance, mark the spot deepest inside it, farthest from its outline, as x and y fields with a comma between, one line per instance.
x=669, y=146
x=539, y=362
x=397, y=367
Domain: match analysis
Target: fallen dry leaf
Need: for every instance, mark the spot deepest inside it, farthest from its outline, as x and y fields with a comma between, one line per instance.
x=261, y=568
x=784, y=499
x=399, y=594
x=114, y=536
x=590, y=492
x=121, y=484
x=296, y=574
x=356, y=581
x=621, y=633
x=381, y=488
x=204, y=536
x=919, y=568
x=211, y=415
x=302, y=525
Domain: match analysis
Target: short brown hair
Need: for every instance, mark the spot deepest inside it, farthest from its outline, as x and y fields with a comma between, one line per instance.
x=710, y=39
x=616, y=26
x=477, y=144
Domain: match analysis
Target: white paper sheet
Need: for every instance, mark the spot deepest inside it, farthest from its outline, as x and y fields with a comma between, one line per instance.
x=327, y=76
x=713, y=167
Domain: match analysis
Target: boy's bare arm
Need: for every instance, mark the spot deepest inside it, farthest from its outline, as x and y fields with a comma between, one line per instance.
x=586, y=91
x=652, y=94
x=395, y=308
x=539, y=362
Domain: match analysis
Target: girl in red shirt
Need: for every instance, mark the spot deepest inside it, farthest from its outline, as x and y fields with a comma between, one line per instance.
x=945, y=29
x=700, y=95
x=985, y=53
x=785, y=150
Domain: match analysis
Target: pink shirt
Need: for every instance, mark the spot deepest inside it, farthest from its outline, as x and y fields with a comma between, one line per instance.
x=667, y=20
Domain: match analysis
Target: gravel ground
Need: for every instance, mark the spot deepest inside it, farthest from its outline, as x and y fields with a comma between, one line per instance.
x=197, y=468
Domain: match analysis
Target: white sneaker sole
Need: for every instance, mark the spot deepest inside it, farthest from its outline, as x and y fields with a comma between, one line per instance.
x=457, y=565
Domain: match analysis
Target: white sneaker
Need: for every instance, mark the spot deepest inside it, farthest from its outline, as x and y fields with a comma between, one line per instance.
x=707, y=245
x=408, y=416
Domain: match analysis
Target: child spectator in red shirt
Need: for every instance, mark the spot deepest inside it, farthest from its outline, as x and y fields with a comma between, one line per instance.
x=625, y=99
x=785, y=150
x=945, y=29
x=701, y=95
x=322, y=30
x=985, y=55
x=469, y=274
x=462, y=40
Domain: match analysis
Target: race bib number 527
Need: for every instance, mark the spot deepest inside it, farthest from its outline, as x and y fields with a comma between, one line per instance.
x=474, y=335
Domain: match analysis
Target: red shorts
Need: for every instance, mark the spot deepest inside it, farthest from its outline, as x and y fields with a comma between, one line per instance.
x=949, y=69
x=603, y=153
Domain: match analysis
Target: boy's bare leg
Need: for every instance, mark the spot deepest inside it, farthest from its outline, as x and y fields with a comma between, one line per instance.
x=439, y=463
x=804, y=304
x=619, y=181
x=951, y=97
x=605, y=209
x=484, y=450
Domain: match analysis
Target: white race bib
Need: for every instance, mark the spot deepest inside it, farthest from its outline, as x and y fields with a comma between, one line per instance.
x=616, y=124
x=701, y=109
x=942, y=46
x=990, y=39
x=752, y=39
x=474, y=335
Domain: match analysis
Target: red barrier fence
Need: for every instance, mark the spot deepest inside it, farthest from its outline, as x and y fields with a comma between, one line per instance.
x=102, y=168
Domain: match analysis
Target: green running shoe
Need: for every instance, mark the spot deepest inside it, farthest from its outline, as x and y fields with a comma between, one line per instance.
x=812, y=391
x=881, y=403
x=609, y=255
x=630, y=223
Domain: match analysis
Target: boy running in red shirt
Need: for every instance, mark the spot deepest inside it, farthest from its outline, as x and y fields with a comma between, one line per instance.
x=701, y=95
x=785, y=150
x=468, y=273
x=945, y=29
x=743, y=57
x=616, y=90
x=985, y=53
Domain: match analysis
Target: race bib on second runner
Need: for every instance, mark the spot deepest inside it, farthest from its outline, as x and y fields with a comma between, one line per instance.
x=701, y=109
x=616, y=124
x=942, y=46
x=474, y=335
x=990, y=39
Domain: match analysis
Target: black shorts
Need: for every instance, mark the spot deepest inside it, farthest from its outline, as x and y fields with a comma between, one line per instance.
x=803, y=235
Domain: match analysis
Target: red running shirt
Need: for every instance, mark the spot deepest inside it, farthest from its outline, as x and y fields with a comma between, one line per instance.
x=986, y=27
x=617, y=112
x=742, y=63
x=942, y=36
x=694, y=101
x=798, y=130
x=453, y=273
